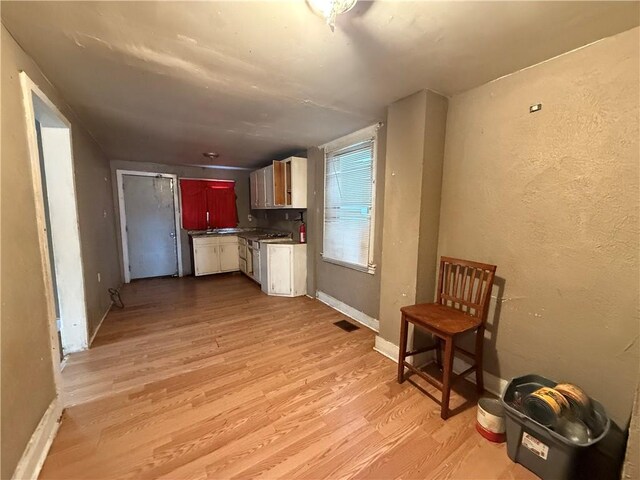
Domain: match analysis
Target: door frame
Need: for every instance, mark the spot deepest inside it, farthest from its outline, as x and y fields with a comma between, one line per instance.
x=76, y=337
x=123, y=217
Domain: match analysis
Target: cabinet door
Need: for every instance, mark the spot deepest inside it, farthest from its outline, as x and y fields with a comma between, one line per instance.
x=253, y=188
x=279, y=265
x=268, y=186
x=260, y=191
x=206, y=259
x=298, y=182
x=279, y=187
x=228, y=257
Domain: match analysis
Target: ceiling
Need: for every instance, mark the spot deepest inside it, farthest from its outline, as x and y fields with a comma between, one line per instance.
x=166, y=81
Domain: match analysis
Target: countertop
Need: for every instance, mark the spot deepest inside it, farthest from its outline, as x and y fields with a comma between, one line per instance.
x=248, y=233
x=251, y=233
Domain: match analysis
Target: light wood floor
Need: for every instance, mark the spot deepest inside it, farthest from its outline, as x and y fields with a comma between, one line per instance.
x=210, y=378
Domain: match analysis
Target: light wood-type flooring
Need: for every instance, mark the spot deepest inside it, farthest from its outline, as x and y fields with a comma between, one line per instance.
x=209, y=378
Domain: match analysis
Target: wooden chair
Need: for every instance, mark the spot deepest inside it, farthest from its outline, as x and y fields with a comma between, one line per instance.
x=462, y=301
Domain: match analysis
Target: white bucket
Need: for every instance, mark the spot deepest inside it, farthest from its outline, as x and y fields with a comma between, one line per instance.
x=490, y=419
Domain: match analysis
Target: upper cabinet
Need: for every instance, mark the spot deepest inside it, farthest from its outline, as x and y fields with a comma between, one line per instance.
x=283, y=184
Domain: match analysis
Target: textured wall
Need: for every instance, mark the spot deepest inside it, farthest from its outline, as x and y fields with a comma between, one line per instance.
x=434, y=138
x=415, y=143
x=357, y=289
x=241, y=178
x=552, y=199
x=27, y=377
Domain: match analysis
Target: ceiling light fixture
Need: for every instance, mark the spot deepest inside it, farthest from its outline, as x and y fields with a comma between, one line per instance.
x=330, y=9
x=211, y=155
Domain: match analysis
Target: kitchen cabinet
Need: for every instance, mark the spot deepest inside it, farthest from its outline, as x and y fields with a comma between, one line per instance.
x=216, y=254
x=229, y=260
x=261, y=199
x=283, y=184
x=284, y=269
x=242, y=255
x=253, y=188
x=295, y=182
x=268, y=186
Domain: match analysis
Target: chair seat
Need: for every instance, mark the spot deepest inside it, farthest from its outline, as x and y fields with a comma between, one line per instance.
x=440, y=318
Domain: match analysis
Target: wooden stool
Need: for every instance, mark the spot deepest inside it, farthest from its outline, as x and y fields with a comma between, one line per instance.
x=464, y=291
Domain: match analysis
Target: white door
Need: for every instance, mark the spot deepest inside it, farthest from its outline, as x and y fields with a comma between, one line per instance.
x=206, y=259
x=150, y=226
x=279, y=265
x=229, y=261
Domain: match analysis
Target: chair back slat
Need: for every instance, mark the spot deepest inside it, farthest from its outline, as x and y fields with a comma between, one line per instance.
x=465, y=285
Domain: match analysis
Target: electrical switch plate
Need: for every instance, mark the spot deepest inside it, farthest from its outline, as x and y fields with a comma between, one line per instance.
x=99, y=277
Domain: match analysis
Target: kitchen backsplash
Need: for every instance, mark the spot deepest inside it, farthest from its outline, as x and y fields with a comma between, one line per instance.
x=277, y=220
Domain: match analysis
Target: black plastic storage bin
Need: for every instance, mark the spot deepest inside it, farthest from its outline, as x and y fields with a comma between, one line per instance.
x=543, y=451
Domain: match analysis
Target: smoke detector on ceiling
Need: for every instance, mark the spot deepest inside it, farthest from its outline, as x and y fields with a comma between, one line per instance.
x=211, y=155
x=330, y=9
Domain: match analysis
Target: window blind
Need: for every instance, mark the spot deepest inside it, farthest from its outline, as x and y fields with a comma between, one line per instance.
x=348, y=204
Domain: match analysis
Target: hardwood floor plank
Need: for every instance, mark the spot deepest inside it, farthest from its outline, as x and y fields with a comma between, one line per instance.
x=209, y=378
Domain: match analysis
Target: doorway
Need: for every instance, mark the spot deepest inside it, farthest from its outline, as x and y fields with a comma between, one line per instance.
x=53, y=179
x=149, y=224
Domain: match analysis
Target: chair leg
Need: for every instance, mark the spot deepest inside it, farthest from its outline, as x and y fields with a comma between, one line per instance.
x=438, y=352
x=479, y=356
x=446, y=377
x=403, y=348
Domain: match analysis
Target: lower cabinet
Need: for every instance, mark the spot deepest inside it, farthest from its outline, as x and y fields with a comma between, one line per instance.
x=215, y=255
x=242, y=254
x=284, y=269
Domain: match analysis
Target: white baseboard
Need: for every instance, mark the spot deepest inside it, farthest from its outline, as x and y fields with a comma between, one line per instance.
x=492, y=383
x=93, y=336
x=386, y=348
x=36, y=451
x=349, y=311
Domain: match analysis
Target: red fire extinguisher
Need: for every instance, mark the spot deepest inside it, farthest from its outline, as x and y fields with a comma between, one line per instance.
x=302, y=230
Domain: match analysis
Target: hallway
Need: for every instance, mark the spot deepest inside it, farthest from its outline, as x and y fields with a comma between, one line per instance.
x=209, y=378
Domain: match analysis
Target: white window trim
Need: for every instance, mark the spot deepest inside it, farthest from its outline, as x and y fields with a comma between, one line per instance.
x=362, y=135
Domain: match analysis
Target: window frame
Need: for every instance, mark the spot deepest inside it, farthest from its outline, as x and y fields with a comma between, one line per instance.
x=366, y=134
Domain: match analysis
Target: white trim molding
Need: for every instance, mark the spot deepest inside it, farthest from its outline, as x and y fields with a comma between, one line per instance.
x=392, y=351
x=387, y=348
x=492, y=383
x=37, y=449
x=123, y=217
x=349, y=311
x=350, y=139
x=37, y=106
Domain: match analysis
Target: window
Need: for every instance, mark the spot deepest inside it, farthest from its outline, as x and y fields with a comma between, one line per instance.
x=208, y=204
x=349, y=200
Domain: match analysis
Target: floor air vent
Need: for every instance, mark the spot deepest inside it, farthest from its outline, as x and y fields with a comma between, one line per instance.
x=346, y=326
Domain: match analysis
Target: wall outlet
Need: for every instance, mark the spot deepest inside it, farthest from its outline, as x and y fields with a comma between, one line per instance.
x=104, y=214
x=286, y=216
x=99, y=277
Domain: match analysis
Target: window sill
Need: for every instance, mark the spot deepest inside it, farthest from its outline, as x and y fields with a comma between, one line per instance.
x=371, y=269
